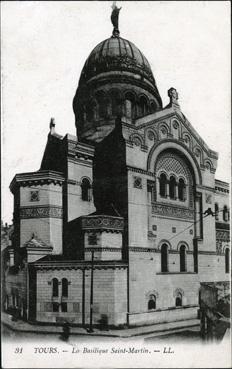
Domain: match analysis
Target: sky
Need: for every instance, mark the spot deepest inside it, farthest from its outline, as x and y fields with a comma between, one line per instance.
x=45, y=45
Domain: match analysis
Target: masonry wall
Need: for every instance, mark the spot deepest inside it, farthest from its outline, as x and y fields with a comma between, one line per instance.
x=16, y=289
x=76, y=207
x=109, y=296
x=43, y=217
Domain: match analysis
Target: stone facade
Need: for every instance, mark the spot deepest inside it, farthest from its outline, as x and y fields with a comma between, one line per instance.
x=132, y=199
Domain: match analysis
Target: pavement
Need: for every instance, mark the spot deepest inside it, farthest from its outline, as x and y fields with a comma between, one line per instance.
x=157, y=329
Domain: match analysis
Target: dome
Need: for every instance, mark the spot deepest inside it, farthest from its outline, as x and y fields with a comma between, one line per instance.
x=116, y=53
x=116, y=80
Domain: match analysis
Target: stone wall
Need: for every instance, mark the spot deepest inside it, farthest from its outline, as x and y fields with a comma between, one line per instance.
x=109, y=296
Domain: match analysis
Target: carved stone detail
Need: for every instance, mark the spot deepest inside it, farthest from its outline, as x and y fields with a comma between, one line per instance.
x=172, y=211
x=219, y=247
x=102, y=222
x=223, y=236
x=138, y=182
x=41, y=212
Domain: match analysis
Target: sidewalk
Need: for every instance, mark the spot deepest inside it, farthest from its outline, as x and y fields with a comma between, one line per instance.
x=22, y=326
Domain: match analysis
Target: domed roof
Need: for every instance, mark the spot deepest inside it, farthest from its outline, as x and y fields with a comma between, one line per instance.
x=116, y=54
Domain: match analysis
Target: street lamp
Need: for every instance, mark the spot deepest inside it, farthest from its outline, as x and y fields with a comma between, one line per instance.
x=90, y=330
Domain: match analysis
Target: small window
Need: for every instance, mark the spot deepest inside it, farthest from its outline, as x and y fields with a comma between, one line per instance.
x=64, y=287
x=225, y=214
x=86, y=190
x=164, y=258
x=34, y=196
x=216, y=209
x=152, y=302
x=227, y=260
x=181, y=190
x=172, y=188
x=179, y=300
x=64, y=307
x=182, y=258
x=55, y=287
x=55, y=307
x=163, y=185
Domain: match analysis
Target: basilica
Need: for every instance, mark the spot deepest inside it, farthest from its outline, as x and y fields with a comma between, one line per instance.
x=124, y=221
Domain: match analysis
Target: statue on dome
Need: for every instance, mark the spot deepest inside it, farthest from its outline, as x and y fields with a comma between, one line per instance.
x=114, y=18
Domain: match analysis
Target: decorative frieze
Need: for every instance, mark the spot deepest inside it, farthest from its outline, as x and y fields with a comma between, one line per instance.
x=41, y=212
x=223, y=235
x=142, y=249
x=172, y=211
x=102, y=222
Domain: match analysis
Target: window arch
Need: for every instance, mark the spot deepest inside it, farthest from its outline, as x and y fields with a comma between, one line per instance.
x=115, y=103
x=129, y=105
x=142, y=106
x=153, y=107
x=55, y=287
x=183, y=258
x=178, y=301
x=86, y=190
x=227, y=260
x=152, y=302
x=172, y=188
x=216, y=210
x=181, y=190
x=164, y=258
x=103, y=104
x=163, y=185
x=64, y=284
x=225, y=214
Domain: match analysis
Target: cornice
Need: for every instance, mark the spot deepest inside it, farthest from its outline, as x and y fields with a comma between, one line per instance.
x=36, y=178
x=102, y=223
x=141, y=171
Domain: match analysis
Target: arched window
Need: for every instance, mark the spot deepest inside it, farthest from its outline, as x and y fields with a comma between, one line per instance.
x=163, y=185
x=64, y=284
x=225, y=214
x=152, y=302
x=129, y=105
x=216, y=209
x=182, y=258
x=153, y=107
x=179, y=299
x=227, y=260
x=55, y=288
x=116, y=103
x=172, y=188
x=142, y=106
x=103, y=105
x=85, y=190
x=164, y=258
x=181, y=190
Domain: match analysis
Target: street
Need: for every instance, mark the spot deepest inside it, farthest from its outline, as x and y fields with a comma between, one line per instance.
x=190, y=335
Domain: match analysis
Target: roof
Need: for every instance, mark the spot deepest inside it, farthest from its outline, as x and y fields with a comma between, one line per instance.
x=59, y=261
x=116, y=53
x=36, y=243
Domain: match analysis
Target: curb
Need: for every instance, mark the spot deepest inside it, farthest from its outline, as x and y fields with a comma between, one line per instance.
x=103, y=334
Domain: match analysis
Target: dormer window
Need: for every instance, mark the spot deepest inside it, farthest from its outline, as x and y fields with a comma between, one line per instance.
x=34, y=196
